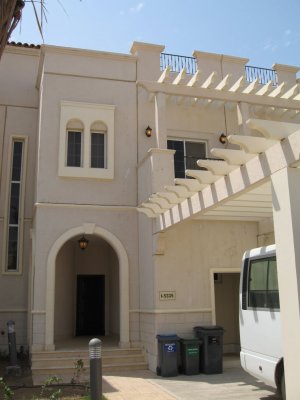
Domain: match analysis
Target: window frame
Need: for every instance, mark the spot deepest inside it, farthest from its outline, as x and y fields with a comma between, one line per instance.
x=87, y=114
x=185, y=140
x=266, y=291
x=20, y=225
x=104, y=134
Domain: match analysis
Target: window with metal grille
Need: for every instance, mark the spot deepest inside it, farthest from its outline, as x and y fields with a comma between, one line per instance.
x=74, y=150
x=187, y=154
x=14, y=206
x=97, y=150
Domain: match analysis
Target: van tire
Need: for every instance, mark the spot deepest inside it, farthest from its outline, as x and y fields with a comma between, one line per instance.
x=282, y=387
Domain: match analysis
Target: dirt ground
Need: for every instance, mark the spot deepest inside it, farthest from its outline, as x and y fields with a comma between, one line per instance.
x=23, y=389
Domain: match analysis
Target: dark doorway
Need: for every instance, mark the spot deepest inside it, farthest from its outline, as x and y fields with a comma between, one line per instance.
x=90, y=305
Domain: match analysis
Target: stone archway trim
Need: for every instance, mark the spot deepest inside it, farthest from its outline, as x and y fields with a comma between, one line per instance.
x=88, y=228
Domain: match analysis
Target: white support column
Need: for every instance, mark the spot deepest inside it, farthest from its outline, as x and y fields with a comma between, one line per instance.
x=160, y=120
x=243, y=115
x=286, y=200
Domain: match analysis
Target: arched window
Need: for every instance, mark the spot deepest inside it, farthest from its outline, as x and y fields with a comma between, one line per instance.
x=86, y=140
x=74, y=143
x=98, y=145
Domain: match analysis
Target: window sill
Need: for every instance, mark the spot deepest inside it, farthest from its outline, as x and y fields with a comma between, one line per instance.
x=87, y=173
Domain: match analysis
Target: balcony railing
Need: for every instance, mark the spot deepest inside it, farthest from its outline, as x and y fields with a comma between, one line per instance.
x=264, y=75
x=177, y=63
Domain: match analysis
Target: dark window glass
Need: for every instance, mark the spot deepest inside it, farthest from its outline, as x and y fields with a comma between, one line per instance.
x=263, y=284
x=14, y=203
x=97, y=150
x=194, y=151
x=74, y=149
x=17, y=161
x=186, y=156
x=12, y=255
x=14, y=206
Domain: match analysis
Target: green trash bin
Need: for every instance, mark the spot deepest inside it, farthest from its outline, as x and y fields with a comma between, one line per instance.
x=168, y=351
x=211, y=358
x=190, y=352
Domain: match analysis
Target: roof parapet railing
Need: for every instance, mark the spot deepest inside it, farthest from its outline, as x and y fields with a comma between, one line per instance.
x=264, y=75
x=177, y=63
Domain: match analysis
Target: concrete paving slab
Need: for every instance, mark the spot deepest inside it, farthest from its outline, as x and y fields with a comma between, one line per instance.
x=232, y=384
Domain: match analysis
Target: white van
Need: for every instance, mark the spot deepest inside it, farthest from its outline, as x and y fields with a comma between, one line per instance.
x=260, y=326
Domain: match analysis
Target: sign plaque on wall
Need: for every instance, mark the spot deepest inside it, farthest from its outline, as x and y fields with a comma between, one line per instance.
x=170, y=295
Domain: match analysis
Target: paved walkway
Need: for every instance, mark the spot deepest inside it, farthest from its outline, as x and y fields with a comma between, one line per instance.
x=234, y=383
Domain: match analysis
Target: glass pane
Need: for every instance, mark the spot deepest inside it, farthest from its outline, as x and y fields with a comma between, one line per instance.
x=74, y=149
x=14, y=203
x=258, y=276
x=179, y=167
x=17, y=161
x=97, y=150
x=273, y=292
x=12, y=249
x=194, y=151
x=273, y=281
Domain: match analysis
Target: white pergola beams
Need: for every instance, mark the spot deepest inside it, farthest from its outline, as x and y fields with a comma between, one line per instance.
x=180, y=77
x=165, y=76
x=217, y=167
x=224, y=82
x=251, y=87
x=231, y=187
x=252, y=144
x=241, y=180
x=180, y=191
x=265, y=96
x=233, y=157
x=192, y=185
x=291, y=92
x=195, y=78
x=209, y=81
x=205, y=177
x=273, y=129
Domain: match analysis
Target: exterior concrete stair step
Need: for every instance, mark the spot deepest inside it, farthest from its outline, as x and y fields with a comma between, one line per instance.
x=71, y=361
x=82, y=353
x=63, y=363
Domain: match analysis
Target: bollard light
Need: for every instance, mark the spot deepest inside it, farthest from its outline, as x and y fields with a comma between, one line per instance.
x=95, y=350
x=12, y=348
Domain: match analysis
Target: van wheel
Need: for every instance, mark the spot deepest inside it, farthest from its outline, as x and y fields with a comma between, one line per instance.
x=282, y=387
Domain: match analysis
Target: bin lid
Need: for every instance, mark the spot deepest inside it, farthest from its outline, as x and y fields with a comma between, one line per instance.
x=167, y=337
x=191, y=341
x=209, y=328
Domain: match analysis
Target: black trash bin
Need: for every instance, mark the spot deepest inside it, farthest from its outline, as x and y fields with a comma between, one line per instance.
x=168, y=351
x=211, y=353
x=190, y=350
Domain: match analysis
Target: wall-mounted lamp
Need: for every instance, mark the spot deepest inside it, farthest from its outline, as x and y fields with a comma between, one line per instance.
x=148, y=131
x=223, y=138
x=83, y=243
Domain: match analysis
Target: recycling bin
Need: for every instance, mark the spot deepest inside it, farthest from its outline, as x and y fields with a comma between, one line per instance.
x=211, y=352
x=190, y=351
x=168, y=355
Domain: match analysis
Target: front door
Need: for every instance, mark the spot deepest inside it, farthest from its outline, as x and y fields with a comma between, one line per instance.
x=90, y=318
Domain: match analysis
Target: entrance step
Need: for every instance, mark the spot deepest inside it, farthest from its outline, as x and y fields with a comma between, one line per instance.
x=63, y=363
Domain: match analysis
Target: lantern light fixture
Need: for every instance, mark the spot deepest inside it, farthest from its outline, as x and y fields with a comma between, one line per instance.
x=148, y=131
x=223, y=138
x=83, y=243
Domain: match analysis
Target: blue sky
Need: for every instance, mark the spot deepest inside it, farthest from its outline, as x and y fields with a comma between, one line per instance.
x=264, y=31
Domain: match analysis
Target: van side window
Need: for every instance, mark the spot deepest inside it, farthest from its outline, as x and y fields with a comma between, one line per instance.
x=263, y=284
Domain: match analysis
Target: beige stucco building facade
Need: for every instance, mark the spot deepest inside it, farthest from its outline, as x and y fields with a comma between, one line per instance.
x=164, y=251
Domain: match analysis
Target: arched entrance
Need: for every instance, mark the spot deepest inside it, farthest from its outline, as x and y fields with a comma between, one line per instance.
x=61, y=280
